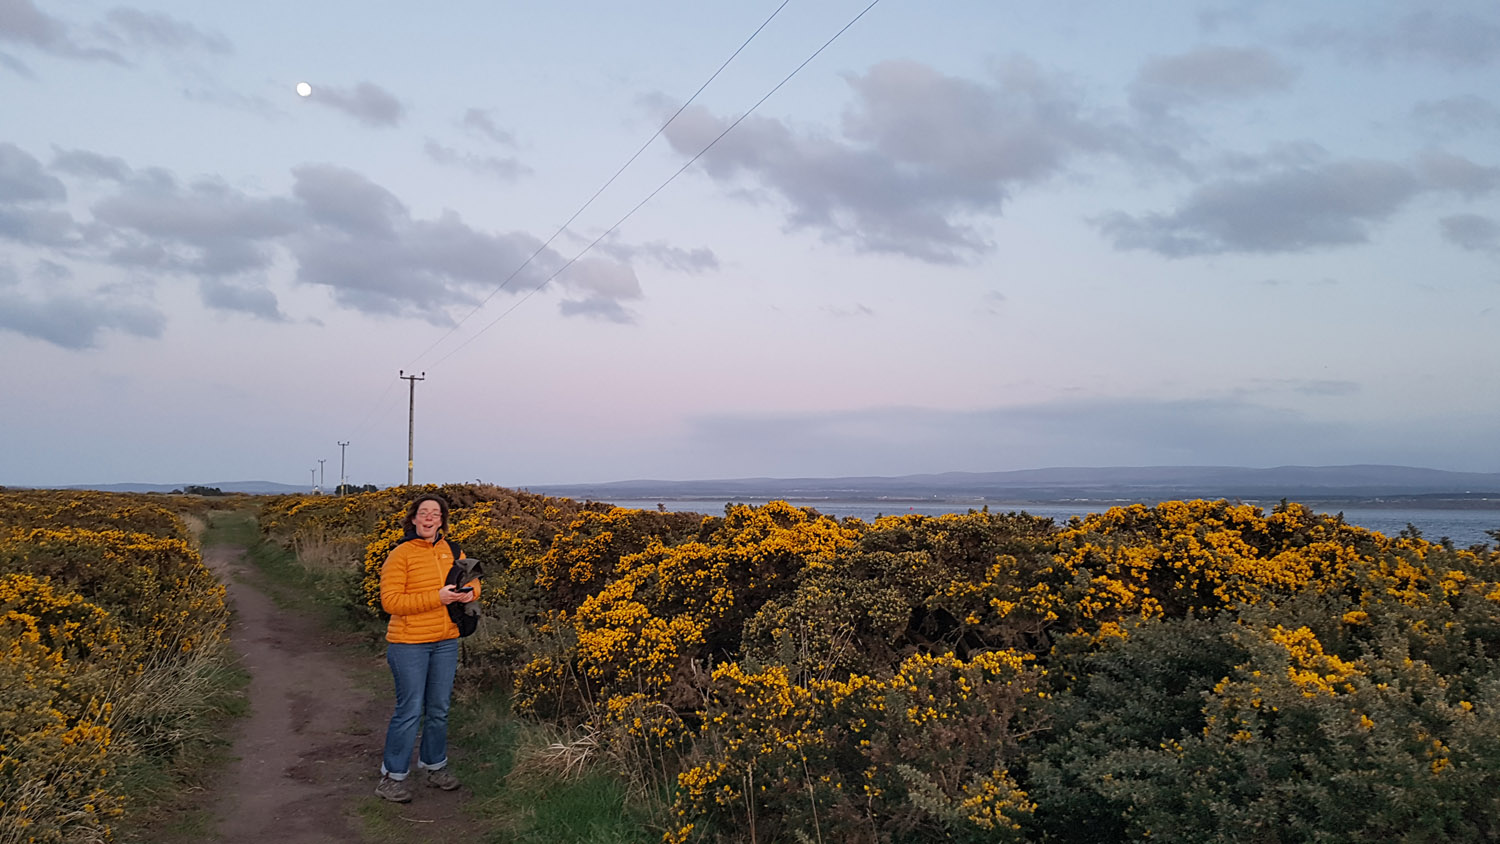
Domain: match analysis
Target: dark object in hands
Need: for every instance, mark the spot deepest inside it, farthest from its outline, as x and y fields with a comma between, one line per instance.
x=465, y=614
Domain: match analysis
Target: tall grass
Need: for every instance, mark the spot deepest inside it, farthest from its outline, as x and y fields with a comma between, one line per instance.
x=535, y=785
x=320, y=549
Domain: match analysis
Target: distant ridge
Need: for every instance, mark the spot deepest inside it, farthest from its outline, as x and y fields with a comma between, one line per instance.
x=1298, y=483
x=247, y=487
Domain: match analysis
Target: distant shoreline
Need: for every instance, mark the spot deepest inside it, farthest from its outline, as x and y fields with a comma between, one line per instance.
x=1488, y=501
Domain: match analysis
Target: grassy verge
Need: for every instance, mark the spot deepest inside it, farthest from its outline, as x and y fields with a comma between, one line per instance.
x=529, y=803
x=164, y=794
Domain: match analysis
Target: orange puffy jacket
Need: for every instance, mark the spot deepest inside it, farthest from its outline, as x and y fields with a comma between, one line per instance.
x=410, y=580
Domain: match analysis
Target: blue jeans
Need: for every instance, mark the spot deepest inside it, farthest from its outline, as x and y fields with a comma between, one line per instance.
x=424, y=682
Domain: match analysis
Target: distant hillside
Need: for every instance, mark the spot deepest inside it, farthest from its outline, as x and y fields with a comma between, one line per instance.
x=248, y=487
x=1299, y=483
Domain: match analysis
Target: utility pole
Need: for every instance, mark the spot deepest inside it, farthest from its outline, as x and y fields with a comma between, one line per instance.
x=321, y=482
x=313, y=481
x=411, y=418
x=343, y=479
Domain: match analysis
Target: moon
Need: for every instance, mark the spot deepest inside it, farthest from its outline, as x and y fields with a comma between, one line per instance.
x=304, y=89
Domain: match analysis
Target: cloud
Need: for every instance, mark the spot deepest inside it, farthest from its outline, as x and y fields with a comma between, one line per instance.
x=155, y=31
x=92, y=165
x=363, y=244
x=698, y=260
x=695, y=261
x=21, y=22
x=1302, y=386
x=1279, y=156
x=1452, y=39
x=27, y=193
x=23, y=179
x=597, y=307
x=38, y=227
x=1444, y=171
x=1207, y=75
x=604, y=285
x=921, y=154
x=1294, y=209
x=345, y=200
x=1455, y=40
x=368, y=103
x=123, y=29
x=73, y=322
x=229, y=296
x=505, y=169
x=205, y=227
x=1467, y=114
x=342, y=231
x=479, y=122
x=16, y=66
x=1472, y=232
x=1325, y=387
x=52, y=271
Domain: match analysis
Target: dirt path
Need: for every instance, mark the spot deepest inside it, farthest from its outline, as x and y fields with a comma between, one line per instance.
x=307, y=758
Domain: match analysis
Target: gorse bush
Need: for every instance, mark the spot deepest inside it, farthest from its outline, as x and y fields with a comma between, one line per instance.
x=103, y=631
x=1193, y=671
x=88, y=511
x=55, y=678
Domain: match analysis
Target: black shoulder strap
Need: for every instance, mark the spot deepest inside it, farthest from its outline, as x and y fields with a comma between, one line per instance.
x=453, y=546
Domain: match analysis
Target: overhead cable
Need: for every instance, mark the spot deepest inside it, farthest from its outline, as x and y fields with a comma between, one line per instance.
x=660, y=187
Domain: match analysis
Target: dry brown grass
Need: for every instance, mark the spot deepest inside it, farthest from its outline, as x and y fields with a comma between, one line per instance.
x=556, y=755
x=322, y=550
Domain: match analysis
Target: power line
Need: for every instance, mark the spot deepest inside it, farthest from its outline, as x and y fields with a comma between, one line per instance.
x=376, y=410
x=660, y=187
x=605, y=186
x=379, y=402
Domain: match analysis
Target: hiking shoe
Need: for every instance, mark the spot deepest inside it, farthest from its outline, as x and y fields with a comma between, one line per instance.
x=395, y=791
x=440, y=778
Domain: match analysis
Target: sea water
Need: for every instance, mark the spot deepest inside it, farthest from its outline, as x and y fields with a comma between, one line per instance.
x=1463, y=527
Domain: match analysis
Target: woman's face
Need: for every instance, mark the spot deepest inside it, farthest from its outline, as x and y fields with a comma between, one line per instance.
x=428, y=519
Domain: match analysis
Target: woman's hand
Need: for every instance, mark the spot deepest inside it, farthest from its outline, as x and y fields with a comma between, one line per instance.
x=450, y=594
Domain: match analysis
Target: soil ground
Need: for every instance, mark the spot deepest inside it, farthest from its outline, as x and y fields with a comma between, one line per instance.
x=307, y=759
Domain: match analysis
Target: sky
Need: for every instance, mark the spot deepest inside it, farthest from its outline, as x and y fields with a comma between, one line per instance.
x=907, y=237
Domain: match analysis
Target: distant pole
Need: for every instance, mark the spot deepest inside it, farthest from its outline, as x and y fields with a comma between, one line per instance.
x=411, y=418
x=313, y=481
x=343, y=479
x=321, y=482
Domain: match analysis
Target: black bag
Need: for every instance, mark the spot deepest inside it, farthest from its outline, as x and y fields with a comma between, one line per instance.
x=463, y=572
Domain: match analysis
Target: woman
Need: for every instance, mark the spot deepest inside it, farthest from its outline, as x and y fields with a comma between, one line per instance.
x=422, y=649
